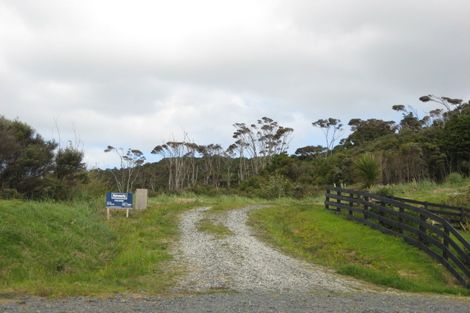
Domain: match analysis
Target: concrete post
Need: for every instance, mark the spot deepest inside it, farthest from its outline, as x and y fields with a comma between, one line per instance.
x=141, y=199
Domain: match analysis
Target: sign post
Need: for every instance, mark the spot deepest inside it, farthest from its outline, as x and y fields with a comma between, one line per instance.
x=118, y=201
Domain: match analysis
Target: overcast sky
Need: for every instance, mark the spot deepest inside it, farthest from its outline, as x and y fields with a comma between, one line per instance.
x=139, y=73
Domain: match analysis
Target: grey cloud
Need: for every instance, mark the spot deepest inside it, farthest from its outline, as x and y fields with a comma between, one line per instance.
x=95, y=65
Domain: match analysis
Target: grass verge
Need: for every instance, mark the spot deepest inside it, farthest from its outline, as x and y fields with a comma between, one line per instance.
x=310, y=232
x=57, y=249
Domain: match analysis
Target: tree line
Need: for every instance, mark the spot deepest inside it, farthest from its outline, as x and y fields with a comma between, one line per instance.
x=257, y=163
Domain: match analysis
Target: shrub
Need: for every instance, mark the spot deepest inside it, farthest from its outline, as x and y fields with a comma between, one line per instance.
x=9, y=193
x=455, y=179
x=461, y=199
x=385, y=191
x=278, y=186
x=368, y=169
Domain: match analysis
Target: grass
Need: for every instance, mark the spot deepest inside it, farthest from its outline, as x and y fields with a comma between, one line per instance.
x=310, y=232
x=210, y=226
x=63, y=249
x=428, y=190
x=57, y=249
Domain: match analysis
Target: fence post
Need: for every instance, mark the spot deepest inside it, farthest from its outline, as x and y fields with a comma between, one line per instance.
x=445, y=242
x=422, y=229
x=351, y=203
x=400, y=218
x=327, y=198
x=366, y=207
x=381, y=213
x=338, y=209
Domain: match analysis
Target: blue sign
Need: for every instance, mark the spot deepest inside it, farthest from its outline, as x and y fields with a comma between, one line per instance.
x=119, y=200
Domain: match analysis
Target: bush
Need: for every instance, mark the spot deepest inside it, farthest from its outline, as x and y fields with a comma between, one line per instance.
x=278, y=186
x=9, y=193
x=461, y=199
x=368, y=169
x=455, y=179
x=385, y=191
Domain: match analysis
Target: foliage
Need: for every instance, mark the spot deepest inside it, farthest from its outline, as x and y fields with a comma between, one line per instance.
x=455, y=179
x=332, y=128
x=31, y=167
x=367, y=169
x=367, y=131
x=130, y=162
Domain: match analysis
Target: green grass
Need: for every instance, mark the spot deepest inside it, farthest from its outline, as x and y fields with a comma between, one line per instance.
x=427, y=190
x=210, y=226
x=312, y=233
x=57, y=249
x=61, y=249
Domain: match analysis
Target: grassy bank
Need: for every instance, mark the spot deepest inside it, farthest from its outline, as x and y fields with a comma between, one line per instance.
x=61, y=249
x=57, y=249
x=310, y=232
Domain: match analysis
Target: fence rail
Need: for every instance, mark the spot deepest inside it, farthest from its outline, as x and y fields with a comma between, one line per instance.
x=457, y=216
x=417, y=225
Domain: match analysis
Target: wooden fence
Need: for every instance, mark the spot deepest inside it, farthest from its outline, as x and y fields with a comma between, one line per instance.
x=457, y=216
x=424, y=229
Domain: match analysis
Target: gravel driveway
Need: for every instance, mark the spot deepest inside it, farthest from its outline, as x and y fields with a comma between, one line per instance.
x=239, y=273
x=240, y=262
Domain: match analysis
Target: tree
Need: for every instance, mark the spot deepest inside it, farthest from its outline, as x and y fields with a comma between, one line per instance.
x=444, y=101
x=70, y=171
x=410, y=118
x=309, y=152
x=26, y=159
x=368, y=130
x=331, y=128
x=258, y=143
x=456, y=143
x=130, y=162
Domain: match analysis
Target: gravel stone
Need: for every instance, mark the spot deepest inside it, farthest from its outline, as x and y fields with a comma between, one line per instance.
x=240, y=262
x=251, y=302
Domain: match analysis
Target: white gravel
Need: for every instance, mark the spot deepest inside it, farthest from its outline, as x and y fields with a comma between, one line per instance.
x=240, y=262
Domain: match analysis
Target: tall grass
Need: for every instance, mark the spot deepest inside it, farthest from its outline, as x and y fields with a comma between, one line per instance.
x=59, y=249
x=428, y=190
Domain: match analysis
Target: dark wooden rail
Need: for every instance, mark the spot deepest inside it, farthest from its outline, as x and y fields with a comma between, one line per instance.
x=457, y=216
x=416, y=225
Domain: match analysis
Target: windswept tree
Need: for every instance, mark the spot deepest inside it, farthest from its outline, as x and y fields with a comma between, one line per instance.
x=364, y=131
x=332, y=128
x=130, y=163
x=450, y=104
x=212, y=156
x=258, y=143
x=410, y=119
x=181, y=160
x=310, y=152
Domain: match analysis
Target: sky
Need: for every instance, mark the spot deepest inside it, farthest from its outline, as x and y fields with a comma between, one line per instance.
x=139, y=73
